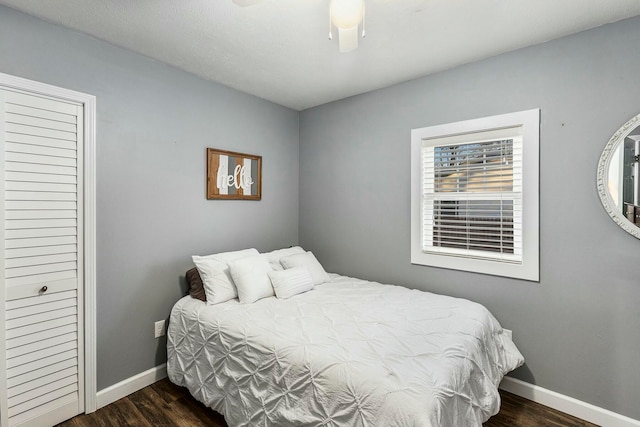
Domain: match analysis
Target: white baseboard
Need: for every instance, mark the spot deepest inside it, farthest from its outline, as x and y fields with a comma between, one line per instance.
x=566, y=404
x=130, y=385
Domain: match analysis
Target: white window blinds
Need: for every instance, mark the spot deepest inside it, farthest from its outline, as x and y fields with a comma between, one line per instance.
x=472, y=195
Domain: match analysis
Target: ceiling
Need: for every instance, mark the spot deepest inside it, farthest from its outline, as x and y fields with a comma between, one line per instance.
x=279, y=49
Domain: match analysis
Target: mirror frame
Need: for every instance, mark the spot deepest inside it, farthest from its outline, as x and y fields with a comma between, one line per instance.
x=603, y=171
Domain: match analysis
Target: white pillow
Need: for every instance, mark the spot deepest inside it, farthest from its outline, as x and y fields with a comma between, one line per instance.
x=308, y=260
x=275, y=256
x=293, y=281
x=234, y=255
x=251, y=278
x=216, y=278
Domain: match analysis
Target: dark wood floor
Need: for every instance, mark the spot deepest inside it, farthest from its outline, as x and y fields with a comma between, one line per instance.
x=164, y=404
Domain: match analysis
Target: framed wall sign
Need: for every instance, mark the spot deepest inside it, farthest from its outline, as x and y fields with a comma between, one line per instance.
x=233, y=176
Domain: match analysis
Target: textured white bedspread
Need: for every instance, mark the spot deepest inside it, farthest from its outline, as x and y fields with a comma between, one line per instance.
x=348, y=353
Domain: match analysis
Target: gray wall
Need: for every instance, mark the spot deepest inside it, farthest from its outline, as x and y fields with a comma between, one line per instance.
x=153, y=125
x=578, y=327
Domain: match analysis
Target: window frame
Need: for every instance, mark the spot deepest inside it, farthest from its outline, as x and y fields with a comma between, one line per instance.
x=529, y=123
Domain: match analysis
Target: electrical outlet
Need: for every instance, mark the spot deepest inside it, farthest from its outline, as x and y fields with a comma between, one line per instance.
x=159, y=329
x=509, y=333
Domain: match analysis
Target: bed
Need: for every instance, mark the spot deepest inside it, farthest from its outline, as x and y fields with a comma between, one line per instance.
x=348, y=353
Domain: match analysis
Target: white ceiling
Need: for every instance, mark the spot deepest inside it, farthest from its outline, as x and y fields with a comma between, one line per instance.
x=279, y=49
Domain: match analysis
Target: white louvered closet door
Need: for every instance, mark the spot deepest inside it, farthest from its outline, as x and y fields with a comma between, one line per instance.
x=42, y=233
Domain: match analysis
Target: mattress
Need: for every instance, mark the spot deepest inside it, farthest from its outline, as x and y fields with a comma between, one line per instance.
x=348, y=353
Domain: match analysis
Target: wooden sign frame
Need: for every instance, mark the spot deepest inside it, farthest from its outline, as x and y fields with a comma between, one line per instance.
x=233, y=176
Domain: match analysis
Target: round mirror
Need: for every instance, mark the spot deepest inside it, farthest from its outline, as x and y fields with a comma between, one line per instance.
x=619, y=178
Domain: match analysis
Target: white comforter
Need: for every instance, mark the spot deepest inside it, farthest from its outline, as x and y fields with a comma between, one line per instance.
x=348, y=353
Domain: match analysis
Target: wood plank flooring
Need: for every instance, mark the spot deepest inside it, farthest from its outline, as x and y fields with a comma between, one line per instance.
x=164, y=404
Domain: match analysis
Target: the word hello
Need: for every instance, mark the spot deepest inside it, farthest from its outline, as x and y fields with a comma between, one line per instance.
x=241, y=177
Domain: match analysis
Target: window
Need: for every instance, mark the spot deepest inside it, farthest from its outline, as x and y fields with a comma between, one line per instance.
x=474, y=203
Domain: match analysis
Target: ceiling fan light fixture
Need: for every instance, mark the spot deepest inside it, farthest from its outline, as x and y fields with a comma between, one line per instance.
x=346, y=15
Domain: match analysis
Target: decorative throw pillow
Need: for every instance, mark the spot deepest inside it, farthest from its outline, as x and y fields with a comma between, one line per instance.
x=294, y=281
x=309, y=261
x=251, y=278
x=275, y=256
x=214, y=270
x=196, y=287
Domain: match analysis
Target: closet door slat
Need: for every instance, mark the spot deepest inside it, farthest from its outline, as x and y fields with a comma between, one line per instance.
x=41, y=317
x=41, y=113
x=40, y=358
x=47, y=214
x=42, y=132
x=40, y=122
x=49, y=342
x=39, y=176
x=33, y=399
x=42, y=334
x=17, y=224
x=26, y=253
x=39, y=195
x=43, y=381
x=40, y=260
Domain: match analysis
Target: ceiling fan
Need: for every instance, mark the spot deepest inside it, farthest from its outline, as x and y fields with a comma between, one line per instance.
x=345, y=15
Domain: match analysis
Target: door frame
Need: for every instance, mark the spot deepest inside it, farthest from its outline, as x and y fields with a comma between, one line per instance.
x=89, y=233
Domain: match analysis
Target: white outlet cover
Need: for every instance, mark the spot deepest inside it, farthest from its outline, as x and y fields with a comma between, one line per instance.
x=159, y=329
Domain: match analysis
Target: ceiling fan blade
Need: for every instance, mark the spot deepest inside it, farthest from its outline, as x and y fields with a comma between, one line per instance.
x=245, y=3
